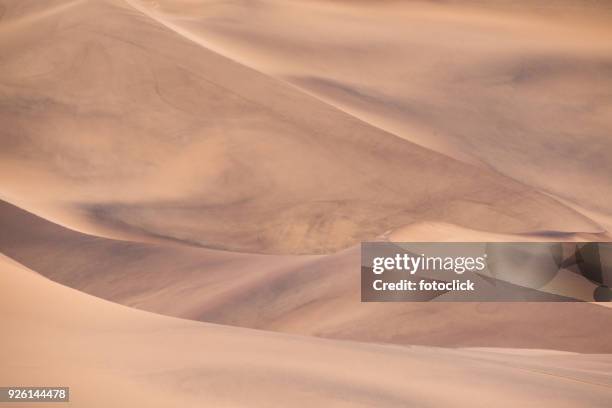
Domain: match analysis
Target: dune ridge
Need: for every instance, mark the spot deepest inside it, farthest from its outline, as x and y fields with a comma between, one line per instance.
x=491, y=84
x=153, y=360
x=184, y=185
x=310, y=295
x=180, y=143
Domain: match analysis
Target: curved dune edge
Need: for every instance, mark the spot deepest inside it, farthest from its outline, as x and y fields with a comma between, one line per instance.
x=178, y=142
x=446, y=232
x=110, y=355
x=309, y=295
x=135, y=148
x=428, y=72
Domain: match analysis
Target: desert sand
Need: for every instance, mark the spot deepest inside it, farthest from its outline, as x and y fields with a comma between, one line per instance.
x=179, y=141
x=116, y=356
x=310, y=295
x=217, y=163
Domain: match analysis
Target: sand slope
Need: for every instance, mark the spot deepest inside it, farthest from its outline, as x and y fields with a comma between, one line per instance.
x=524, y=88
x=219, y=161
x=114, y=356
x=292, y=127
x=315, y=295
x=114, y=120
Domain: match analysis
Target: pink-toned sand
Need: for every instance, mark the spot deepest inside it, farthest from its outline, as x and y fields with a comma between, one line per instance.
x=310, y=295
x=111, y=355
x=220, y=161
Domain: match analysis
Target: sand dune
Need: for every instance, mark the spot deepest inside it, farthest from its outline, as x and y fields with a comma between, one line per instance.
x=114, y=356
x=218, y=162
x=113, y=119
x=314, y=295
x=520, y=87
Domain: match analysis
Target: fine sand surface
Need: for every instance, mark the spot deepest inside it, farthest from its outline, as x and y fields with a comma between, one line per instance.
x=524, y=88
x=111, y=355
x=218, y=163
x=120, y=120
x=313, y=295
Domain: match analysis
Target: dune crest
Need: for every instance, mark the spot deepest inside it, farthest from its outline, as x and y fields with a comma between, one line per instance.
x=522, y=88
x=159, y=361
x=114, y=117
x=184, y=185
x=312, y=295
